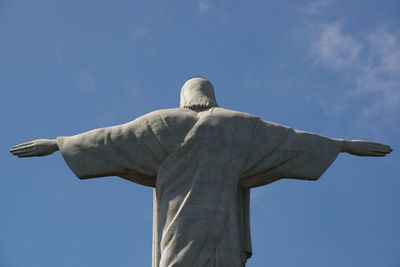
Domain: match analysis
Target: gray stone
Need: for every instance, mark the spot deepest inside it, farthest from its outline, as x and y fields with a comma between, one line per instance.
x=202, y=161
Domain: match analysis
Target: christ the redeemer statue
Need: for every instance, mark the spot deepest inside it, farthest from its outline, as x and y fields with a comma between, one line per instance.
x=202, y=161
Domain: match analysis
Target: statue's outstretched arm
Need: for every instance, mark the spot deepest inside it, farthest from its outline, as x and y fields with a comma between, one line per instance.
x=35, y=148
x=366, y=148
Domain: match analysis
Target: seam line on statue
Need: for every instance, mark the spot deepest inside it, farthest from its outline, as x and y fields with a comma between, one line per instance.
x=251, y=142
x=149, y=151
x=158, y=139
x=266, y=155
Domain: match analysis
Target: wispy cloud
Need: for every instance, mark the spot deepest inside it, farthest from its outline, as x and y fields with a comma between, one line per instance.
x=379, y=76
x=317, y=7
x=60, y=52
x=140, y=33
x=368, y=62
x=217, y=8
x=203, y=6
x=143, y=34
x=333, y=48
x=87, y=81
x=132, y=88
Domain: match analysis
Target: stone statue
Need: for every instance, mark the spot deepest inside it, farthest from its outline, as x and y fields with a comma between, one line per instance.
x=202, y=161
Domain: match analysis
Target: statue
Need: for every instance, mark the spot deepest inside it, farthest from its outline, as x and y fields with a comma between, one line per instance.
x=202, y=161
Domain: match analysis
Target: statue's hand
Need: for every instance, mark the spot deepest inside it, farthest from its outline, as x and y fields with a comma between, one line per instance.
x=35, y=148
x=365, y=148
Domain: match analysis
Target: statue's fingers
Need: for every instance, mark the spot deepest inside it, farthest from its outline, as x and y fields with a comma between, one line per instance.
x=23, y=151
x=380, y=148
x=23, y=144
x=380, y=152
x=16, y=151
x=379, y=145
x=386, y=147
x=25, y=155
x=376, y=154
x=22, y=148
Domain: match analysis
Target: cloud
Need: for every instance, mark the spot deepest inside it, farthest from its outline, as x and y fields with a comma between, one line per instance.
x=132, y=88
x=60, y=52
x=316, y=7
x=333, y=48
x=87, y=81
x=140, y=33
x=372, y=60
x=367, y=62
x=379, y=76
x=203, y=6
x=217, y=9
x=143, y=33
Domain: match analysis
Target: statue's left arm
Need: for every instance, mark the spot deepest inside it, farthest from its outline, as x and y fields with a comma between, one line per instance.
x=282, y=152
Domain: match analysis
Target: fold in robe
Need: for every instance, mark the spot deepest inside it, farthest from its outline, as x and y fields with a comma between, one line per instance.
x=202, y=165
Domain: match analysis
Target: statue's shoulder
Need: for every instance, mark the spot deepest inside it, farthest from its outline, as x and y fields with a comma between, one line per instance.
x=264, y=124
x=170, y=115
x=229, y=113
x=170, y=112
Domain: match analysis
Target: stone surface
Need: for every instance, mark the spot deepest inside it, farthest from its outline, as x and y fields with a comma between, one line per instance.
x=202, y=161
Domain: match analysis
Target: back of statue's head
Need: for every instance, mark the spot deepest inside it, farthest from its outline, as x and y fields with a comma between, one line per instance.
x=197, y=93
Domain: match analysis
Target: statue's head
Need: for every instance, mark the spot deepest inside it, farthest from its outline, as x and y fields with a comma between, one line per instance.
x=198, y=93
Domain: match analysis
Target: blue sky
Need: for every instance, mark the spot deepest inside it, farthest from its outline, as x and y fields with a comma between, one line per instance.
x=325, y=66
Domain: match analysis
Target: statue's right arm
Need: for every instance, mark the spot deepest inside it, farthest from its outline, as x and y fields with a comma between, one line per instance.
x=35, y=148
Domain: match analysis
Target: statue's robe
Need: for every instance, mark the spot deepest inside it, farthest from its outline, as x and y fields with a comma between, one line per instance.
x=202, y=165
